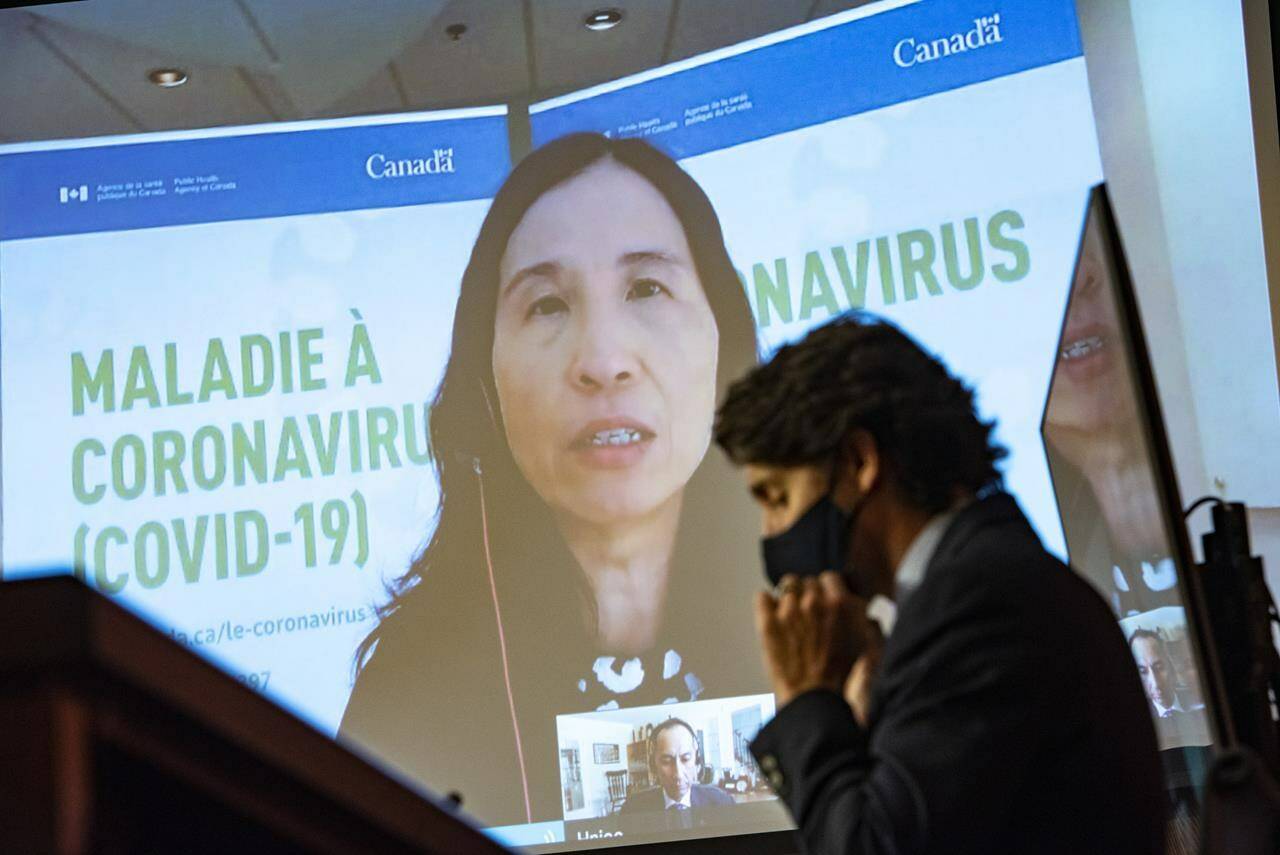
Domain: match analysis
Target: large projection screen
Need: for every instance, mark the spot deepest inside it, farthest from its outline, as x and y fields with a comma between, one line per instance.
x=220, y=352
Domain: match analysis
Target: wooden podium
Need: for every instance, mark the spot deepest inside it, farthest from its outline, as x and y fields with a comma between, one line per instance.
x=116, y=739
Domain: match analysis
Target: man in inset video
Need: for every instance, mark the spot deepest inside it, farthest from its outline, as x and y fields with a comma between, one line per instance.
x=1002, y=713
x=1155, y=671
x=674, y=760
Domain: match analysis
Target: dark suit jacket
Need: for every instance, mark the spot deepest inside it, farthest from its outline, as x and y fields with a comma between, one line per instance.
x=1007, y=717
x=651, y=799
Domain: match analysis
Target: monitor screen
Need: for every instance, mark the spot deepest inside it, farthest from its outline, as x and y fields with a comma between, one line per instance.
x=248, y=389
x=1120, y=509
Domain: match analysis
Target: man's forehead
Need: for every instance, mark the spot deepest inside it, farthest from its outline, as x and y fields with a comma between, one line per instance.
x=764, y=476
x=674, y=739
x=1147, y=646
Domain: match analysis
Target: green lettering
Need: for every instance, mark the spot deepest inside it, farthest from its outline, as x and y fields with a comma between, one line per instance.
x=382, y=430
x=119, y=471
x=308, y=360
x=100, y=384
x=360, y=360
x=113, y=534
x=951, y=253
x=1021, y=255
x=256, y=381
x=290, y=455
x=245, y=565
x=816, y=289
x=353, y=440
x=139, y=382
x=855, y=289
x=885, y=263
x=917, y=265
x=168, y=450
x=220, y=552
x=217, y=373
x=326, y=445
x=774, y=292
x=419, y=456
x=286, y=363
x=83, y=495
x=191, y=551
x=172, y=396
x=142, y=566
x=208, y=447
x=249, y=455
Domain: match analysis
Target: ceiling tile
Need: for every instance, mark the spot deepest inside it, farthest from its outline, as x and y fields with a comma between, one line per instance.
x=213, y=96
x=488, y=64
x=569, y=55
x=704, y=25
x=213, y=32
x=42, y=98
x=327, y=48
x=378, y=95
x=270, y=93
x=830, y=7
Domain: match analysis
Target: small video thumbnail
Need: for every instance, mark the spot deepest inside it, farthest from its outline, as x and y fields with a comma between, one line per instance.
x=687, y=761
x=1162, y=651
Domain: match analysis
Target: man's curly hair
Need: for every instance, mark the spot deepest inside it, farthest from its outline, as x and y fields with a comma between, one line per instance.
x=860, y=372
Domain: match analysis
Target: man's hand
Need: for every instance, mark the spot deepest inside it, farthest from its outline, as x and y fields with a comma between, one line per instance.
x=811, y=633
x=857, y=690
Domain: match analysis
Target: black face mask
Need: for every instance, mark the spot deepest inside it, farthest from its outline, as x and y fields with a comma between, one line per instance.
x=815, y=543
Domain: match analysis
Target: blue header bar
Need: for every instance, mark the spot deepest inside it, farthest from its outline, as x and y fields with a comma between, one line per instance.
x=887, y=58
x=337, y=166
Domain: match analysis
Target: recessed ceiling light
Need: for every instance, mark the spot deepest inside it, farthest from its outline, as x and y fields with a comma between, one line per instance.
x=167, y=78
x=602, y=19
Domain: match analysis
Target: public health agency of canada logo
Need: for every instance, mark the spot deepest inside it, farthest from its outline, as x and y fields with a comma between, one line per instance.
x=73, y=194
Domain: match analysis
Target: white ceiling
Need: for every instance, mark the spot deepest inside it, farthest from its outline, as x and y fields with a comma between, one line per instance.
x=79, y=69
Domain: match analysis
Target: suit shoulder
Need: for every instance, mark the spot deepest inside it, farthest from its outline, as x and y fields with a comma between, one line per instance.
x=643, y=800
x=712, y=795
x=1007, y=564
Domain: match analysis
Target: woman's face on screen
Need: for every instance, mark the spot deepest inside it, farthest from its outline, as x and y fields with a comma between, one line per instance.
x=1091, y=392
x=605, y=348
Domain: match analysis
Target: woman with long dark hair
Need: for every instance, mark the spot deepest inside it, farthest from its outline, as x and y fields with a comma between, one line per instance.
x=588, y=553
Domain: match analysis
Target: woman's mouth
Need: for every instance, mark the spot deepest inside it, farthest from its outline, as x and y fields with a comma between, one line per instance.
x=1087, y=353
x=611, y=444
x=1082, y=348
x=615, y=437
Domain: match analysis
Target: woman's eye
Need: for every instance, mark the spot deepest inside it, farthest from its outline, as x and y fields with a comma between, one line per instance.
x=643, y=289
x=547, y=306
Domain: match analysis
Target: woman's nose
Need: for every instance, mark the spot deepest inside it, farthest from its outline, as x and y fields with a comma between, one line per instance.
x=605, y=356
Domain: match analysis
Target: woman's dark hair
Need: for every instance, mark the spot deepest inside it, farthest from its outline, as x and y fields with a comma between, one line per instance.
x=470, y=453
x=860, y=372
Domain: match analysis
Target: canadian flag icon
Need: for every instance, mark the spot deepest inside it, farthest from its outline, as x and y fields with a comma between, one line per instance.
x=73, y=194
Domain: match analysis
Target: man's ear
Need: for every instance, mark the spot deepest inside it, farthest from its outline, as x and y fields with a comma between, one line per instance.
x=865, y=463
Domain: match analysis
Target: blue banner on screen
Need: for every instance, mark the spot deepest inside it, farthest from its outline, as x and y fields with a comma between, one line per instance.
x=185, y=181
x=865, y=64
